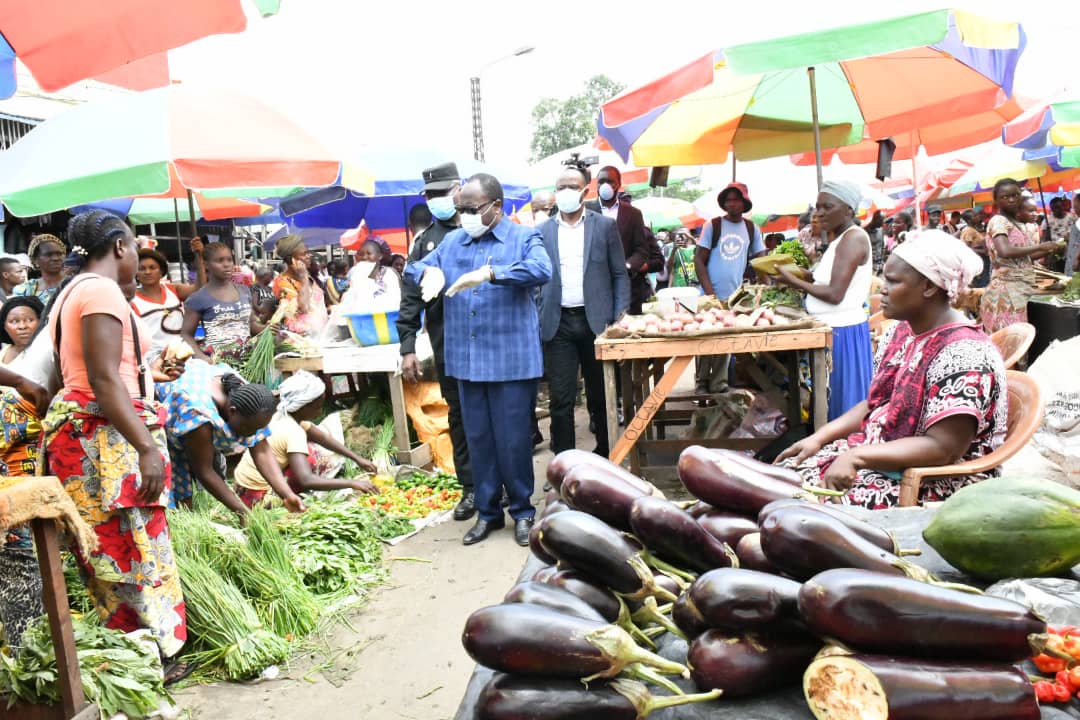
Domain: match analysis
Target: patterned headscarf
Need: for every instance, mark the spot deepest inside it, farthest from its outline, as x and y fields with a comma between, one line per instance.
x=298, y=390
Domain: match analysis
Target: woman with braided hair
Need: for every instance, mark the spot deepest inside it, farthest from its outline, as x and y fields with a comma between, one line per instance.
x=104, y=438
x=213, y=410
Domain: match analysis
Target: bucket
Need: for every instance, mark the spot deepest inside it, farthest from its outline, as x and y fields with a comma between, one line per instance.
x=679, y=299
x=373, y=328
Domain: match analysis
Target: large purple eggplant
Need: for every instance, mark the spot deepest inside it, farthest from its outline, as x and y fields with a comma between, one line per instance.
x=536, y=548
x=727, y=484
x=687, y=618
x=510, y=697
x=567, y=460
x=743, y=665
x=536, y=640
x=788, y=475
x=752, y=557
x=593, y=547
x=545, y=573
x=601, y=493
x=538, y=593
x=803, y=542
x=676, y=537
x=866, y=687
x=739, y=600
x=727, y=527
x=878, y=536
x=596, y=595
x=877, y=613
x=696, y=509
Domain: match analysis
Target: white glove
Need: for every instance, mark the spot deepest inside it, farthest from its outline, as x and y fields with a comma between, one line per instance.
x=431, y=283
x=470, y=279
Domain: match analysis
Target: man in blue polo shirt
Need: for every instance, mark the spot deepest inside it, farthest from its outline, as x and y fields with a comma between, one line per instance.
x=490, y=268
x=726, y=245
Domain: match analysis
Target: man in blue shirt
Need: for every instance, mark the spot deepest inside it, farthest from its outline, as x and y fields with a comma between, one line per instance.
x=724, y=248
x=491, y=331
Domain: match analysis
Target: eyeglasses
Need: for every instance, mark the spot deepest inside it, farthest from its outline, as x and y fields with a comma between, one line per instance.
x=478, y=210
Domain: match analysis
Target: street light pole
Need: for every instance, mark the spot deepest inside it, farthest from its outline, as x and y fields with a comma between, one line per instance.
x=474, y=93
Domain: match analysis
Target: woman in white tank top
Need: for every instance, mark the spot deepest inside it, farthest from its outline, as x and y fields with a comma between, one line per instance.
x=838, y=294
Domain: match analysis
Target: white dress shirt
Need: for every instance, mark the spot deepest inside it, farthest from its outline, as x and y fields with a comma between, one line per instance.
x=572, y=261
x=611, y=212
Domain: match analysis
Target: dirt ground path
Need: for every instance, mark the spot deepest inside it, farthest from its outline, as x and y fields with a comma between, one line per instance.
x=402, y=657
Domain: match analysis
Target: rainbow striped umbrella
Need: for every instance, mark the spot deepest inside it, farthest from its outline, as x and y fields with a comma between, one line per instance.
x=778, y=97
x=165, y=143
x=1047, y=132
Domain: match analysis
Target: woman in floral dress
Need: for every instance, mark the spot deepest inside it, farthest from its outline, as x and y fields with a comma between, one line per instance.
x=938, y=394
x=1012, y=241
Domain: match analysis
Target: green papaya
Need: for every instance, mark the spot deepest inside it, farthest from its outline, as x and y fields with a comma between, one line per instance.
x=1009, y=527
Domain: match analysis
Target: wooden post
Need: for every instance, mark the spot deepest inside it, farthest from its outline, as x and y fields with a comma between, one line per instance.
x=819, y=371
x=611, y=402
x=54, y=598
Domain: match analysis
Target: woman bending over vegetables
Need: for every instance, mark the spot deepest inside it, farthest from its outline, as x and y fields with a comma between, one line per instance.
x=292, y=441
x=938, y=395
x=214, y=410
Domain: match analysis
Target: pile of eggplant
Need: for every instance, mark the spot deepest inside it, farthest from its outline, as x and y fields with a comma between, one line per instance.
x=767, y=585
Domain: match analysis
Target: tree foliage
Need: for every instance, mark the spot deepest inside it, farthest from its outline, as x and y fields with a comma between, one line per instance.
x=561, y=124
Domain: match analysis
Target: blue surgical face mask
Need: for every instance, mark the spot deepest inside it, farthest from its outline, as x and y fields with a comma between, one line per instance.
x=606, y=191
x=442, y=207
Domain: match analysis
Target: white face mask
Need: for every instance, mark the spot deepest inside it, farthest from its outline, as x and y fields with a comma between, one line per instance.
x=568, y=200
x=605, y=191
x=473, y=224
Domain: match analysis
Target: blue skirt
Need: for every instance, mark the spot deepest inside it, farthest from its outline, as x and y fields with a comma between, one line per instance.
x=852, y=368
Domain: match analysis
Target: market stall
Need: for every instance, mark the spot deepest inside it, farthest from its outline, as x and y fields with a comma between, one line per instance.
x=673, y=355
x=839, y=613
x=1054, y=319
x=349, y=359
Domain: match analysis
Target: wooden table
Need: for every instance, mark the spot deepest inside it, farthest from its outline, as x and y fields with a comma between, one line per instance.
x=676, y=354
x=350, y=359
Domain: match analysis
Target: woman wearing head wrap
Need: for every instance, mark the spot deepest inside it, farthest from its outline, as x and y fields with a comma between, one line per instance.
x=305, y=312
x=374, y=255
x=938, y=395
x=293, y=440
x=837, y=294
x=47, y=254
x=1012, y=240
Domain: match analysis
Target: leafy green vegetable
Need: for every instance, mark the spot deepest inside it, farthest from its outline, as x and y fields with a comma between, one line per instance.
x=337, y=544
x=119, y=673
x=779, y=295
x=1072, y=288
x=373, y=411
x=384, y=453
x=795, y=249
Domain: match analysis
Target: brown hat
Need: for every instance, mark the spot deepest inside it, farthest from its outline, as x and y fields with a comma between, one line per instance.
x=441, y=177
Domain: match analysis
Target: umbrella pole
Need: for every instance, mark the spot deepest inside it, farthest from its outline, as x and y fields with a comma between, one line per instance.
x=733, y=161
x=915, y=187
x=179, y=241
x=817, y=125
x=191, y=211
x=1042, y=199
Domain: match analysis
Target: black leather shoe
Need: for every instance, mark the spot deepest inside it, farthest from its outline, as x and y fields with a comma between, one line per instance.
x=521, y=531
x=465, y=508
x=537, y=438
x=482, y=529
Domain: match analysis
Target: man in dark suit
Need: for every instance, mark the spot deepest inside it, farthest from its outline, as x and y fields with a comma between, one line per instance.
x=589, y=289
x=643, y=255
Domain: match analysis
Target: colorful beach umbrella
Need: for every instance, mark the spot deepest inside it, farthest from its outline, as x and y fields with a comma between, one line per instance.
x=662, y=213
x=837, y=87
x=1000, y=162
x=949, y=135
x=62, y=42
x=1049, y=132
x=164, y=142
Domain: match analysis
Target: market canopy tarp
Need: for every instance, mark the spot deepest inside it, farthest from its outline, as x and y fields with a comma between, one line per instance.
x=874, y=80
x=164, y=142
x=62, y=42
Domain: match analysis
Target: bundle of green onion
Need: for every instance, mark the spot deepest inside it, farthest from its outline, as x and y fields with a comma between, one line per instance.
x=385, y=450
x=227, y=632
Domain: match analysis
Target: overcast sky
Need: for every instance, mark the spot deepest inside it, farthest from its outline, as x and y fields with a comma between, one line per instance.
x=383, y=74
